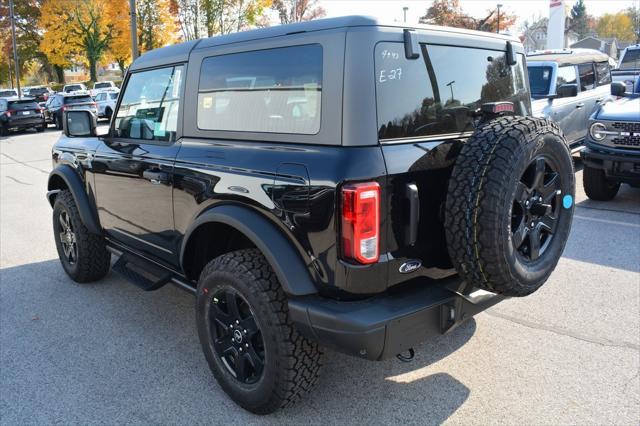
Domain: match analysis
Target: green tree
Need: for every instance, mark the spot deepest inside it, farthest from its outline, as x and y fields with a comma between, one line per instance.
x=580, y=20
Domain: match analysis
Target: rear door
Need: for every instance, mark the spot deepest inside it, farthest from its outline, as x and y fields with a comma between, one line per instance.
x=425, y=112
x=134, y=165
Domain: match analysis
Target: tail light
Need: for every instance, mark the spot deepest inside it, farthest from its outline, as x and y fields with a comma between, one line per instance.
x=361, y=222
x=10, y=112
x=64, y=108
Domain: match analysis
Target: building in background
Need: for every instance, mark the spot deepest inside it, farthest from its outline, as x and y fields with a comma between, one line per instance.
x=535, y=36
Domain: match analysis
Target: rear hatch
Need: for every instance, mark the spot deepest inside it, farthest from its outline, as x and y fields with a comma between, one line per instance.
x=426, y=109
x=23, y=111
x=79, y=102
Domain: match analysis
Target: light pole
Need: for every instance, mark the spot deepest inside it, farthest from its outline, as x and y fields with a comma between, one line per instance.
x=15, y=49
x=404, y=10
x=134, y=30
x=450, y=84
x=498, y=29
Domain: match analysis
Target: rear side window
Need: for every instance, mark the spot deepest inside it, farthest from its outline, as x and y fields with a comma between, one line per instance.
x=603, y=73
x=149, y=106
x=436, y=93
x=23, y=105
x=274, y=91
x=587, y=77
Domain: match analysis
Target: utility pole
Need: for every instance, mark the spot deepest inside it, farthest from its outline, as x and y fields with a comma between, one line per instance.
x=134, y=30
x=498, y=30
x=404, y=9
x=15, y=49
x=10, y=75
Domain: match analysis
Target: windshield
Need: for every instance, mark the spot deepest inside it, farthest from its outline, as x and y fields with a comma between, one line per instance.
x=101, y=85
x=77, y=99
x=7, y=93
x=539, y=80
x=38, y=91
x=630, y=60
x=440, y=93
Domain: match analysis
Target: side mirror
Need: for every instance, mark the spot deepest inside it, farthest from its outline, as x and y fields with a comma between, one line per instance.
x=618, y=88
x=567, y=91
x=79, y=123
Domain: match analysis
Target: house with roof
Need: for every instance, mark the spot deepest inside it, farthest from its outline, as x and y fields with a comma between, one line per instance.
x=605, y=45
x=535, y=36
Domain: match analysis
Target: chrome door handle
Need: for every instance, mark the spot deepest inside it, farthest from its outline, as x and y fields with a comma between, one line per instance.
x=156, y=177
x=580, y=105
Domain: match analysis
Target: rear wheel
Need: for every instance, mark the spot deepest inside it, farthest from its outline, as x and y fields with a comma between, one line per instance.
x=510, y=205
x=107, y=113
x=83, y=255
x=40, y=129
x=597, y=186
x=252, y=348
x=4, y=131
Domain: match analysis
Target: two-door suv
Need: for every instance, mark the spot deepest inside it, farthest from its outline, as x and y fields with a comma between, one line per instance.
x=338, y=183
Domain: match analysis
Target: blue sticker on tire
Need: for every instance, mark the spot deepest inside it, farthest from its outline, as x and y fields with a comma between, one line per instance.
x=567, y=201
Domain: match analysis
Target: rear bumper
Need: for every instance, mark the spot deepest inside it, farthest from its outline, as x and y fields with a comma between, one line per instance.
x=386, y=325
x=621, y=167
x=25, y=123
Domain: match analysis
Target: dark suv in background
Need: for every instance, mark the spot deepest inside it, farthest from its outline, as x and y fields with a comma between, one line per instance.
x=20, y=114
x=337, y=183
x=61, y=102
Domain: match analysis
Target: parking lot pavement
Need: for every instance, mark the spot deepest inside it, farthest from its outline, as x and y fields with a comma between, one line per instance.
x=110, y=353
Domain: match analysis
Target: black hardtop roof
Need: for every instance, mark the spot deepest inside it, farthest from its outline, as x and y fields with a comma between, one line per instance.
x=180, y=52
x=568, y=56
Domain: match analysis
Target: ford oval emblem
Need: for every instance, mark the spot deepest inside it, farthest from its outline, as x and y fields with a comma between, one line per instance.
x=410, y=266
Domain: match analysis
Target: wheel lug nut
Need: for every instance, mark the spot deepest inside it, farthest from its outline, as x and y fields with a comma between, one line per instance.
x=237, y=322
x=246, y=345
x=240, y=349
x=245, y=331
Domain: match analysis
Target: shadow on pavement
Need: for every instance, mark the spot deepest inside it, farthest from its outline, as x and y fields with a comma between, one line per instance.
x=108, y=352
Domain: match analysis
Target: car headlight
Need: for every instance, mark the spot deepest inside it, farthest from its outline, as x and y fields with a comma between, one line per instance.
x=598, y=131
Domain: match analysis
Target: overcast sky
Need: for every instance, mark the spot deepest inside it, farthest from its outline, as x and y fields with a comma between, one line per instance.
x=524, y=9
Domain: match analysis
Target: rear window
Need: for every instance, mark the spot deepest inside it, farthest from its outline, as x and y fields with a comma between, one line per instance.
x=7, y=93
x=23, y=105
x=435, y=94
x=630, y=60
x=38, y=91
x=77, y=99
x=275, y=91
x=72, y=88
x=102, y=85
x=540, y=80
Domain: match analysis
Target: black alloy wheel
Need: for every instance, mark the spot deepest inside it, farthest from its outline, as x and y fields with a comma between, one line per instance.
x=68, y=238
x=535, y=208
x=236, y=337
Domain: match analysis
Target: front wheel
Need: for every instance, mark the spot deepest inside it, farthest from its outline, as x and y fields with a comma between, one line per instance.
x=251, y=346
x=83, y=255
x=597, y=186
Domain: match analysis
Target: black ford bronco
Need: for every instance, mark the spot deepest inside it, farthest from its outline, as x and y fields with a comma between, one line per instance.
x=332, y=184
x=612, y=152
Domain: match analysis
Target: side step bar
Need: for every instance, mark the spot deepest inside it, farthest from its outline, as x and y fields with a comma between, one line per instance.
x=146, y=274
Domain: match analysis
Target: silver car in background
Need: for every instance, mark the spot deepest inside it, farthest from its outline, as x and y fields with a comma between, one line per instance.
x=567, y=85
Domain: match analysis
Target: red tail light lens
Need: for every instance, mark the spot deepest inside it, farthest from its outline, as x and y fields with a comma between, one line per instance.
x=10, y=112
x=361, y=222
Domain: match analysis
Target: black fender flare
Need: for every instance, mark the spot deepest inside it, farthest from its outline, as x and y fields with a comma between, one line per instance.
x=74, y=183
x=279, y=252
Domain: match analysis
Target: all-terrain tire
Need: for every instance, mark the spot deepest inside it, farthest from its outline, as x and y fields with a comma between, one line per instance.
x=597, y=186
x=91, y=260
x=484, y=201
x=291, y=362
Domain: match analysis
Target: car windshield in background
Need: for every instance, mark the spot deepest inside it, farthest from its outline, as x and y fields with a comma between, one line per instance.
x=7, y=93
x=39, y=91
x=77, y=99
x=631, y=60
x=540, y=81
x=73, y=88
x=23, y=105
x=436, y=94
x=102, y=85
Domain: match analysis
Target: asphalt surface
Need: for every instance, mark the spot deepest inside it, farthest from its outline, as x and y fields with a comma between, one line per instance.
x=110, y=353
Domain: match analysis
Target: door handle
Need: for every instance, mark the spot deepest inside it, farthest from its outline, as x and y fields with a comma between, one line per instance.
x=411, y=229
x=580, y=105
x=599, y=100
x=156, y=177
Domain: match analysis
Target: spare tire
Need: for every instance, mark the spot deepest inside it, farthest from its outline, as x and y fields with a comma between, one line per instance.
x=509, y=205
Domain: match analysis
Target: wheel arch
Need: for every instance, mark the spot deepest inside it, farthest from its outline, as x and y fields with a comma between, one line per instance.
x=262, y=234
x=64, y=177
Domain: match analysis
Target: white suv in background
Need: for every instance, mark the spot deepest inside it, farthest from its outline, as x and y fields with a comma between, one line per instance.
x=103, y=86
x=106, y=102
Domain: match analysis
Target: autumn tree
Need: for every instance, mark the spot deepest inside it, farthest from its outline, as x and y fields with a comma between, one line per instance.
x=119, y=50
x=634, y=15
x=298, y=10
x=617, y=25
x=77, y=30
x=156, y=25
x=449, y=13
